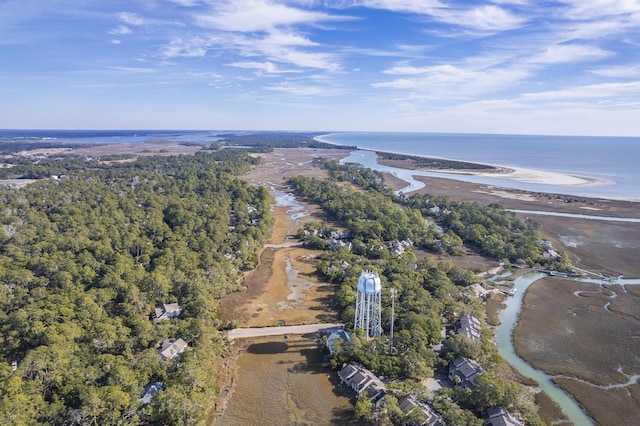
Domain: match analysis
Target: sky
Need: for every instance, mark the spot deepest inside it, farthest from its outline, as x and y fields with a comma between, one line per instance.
x=567, y=67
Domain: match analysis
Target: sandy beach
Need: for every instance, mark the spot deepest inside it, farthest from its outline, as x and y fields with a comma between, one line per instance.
x=540, y=176
x=519, y=174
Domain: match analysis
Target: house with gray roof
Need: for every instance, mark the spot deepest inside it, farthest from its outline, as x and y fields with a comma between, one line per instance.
x=498, y=416
x=465, y=370
x=469, y=326
x=361, y=380
x=171, y=348
x=148, y=392
x=411, y=404
x=166, y=311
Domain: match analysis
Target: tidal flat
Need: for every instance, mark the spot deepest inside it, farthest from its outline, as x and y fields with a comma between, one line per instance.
x=283, y=381
x=278, y=380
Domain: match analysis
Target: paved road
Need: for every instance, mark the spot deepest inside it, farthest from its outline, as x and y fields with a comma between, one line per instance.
x=284, y=245
x=243, y=333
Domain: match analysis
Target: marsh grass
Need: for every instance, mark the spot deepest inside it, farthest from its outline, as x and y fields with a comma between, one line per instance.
x=566, y=330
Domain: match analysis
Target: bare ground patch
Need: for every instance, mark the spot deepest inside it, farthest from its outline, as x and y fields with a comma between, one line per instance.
x=283, y=163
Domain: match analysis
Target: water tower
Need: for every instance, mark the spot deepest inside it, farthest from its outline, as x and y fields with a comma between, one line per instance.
x=369, y=305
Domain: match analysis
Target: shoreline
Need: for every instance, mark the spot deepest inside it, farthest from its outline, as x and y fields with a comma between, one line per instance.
x=515, y=173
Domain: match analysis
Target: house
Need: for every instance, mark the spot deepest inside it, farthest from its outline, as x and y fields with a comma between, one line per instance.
x=396, y=249
x=466, y=371
x=479, y=291
x=361, y=380
x=337, y=339
x=411, y=404
x=148, y=392
x=166, y=311
x=435, y=211
x=336, y=244
x=469, y=326
x=171, y=348
x=498, y=416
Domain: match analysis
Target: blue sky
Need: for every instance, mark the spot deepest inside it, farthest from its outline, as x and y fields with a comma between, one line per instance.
x=501, y=66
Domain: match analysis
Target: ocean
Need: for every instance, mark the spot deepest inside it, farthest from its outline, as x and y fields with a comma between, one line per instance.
x=613, y=159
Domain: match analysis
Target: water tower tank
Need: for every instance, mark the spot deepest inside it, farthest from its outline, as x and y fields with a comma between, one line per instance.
x=369, y=283
x=369, y=305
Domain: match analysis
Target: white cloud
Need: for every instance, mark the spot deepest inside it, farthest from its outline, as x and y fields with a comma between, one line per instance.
x=135, y=70
x=195, y=47
x=621, y=71
x=267, y=67
x=121, y=30
x=258, y=15
x=186, y=3
x=422, y=7
x=131, y=19
x=298, y=89
x=486, y=18
x=262, y=67
x=593, y=9
x=323, y=61
x=604, y=90
x=283, y=48
x=600, y=28
x=277, y=47
x=409, y=70
x=206, y=75
x=282, y=38
x=449, y=81
x=569, y=53
x=513, y=2
x=260, y=29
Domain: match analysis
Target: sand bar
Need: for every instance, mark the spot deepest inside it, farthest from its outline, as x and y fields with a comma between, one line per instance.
x=519, y=174
x=536, y=176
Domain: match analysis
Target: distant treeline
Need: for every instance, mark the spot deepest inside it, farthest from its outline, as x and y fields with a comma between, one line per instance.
x=435, y=163
x=13, y=147
x=278, y=140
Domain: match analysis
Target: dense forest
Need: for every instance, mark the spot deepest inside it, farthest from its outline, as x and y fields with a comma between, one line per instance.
x=435, y=163
x=433, y=223
x=377, y=230
x=88, y=253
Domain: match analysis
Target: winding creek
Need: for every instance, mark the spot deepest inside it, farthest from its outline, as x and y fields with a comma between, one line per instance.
x=509, y=317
